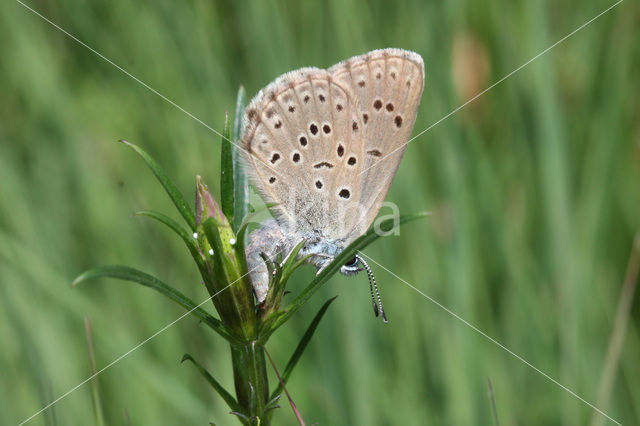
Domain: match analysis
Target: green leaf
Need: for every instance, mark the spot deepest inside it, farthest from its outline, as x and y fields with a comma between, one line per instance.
x=240, y=179
x=169, y=186
x=271, y=405
x=131, y=274
x=228, y=398
x=226, y=172
x=290, y=264
x=370, y=236
x=244, y=419
x=302, y=346
x=188, y=239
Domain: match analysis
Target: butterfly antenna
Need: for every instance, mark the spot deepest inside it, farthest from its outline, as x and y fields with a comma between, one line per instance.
x=377, y=308
x=373, y=298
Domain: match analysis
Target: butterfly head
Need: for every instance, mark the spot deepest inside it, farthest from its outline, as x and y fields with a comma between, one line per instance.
x=352, y=267
x=357, y=264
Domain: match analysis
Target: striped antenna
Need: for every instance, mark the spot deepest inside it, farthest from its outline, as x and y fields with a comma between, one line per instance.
x=377, y=308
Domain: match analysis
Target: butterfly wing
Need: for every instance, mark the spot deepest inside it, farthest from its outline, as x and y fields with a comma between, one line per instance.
x=304, y=143
x=386, y=86
x=325, y=145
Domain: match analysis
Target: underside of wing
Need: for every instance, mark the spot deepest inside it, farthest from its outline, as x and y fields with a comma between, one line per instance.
x=303, y=139
x=387, y=87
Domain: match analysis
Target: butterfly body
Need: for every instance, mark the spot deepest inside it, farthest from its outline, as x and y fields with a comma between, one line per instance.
x=270, y=240
x=324, y=145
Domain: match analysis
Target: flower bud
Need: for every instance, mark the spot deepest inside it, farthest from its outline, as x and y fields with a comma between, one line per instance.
x=227, y=281
x=206, y=205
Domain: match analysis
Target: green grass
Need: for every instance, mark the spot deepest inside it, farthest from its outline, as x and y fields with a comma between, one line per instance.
x=533, y=189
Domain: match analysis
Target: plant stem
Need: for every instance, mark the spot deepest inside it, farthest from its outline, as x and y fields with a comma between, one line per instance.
x=250, y=378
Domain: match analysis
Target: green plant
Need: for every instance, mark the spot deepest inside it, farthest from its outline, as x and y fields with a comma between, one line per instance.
x=215, y=238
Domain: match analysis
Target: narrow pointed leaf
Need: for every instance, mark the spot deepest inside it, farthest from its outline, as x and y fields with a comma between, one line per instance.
x=188, y=239
x=291, y=264
x=277, y=283
x=131, y=274
x=370, y=236
x=269, y=409
x=302, y=346
x=243, y=417
x=273, y=403
x=168, y=185
x=284, y=269
x=240, y=179
x=226, y=172
x=228, y=398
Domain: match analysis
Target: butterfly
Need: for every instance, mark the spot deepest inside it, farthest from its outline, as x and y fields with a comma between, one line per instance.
x=323, y=147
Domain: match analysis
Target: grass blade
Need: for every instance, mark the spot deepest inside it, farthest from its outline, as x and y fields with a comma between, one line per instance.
x=131, y=274
x=228, y=398
x=620, y=325
x=226, y=172
x=168, y=185
x=302, y=346
x=493, y=403
x=240, y=179
x=95, y=388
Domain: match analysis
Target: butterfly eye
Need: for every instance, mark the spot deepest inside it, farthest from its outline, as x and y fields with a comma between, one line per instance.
x=353, y=262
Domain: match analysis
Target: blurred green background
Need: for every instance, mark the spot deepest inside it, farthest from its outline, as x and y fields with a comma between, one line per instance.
x=533, y=189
